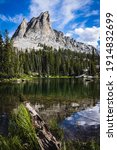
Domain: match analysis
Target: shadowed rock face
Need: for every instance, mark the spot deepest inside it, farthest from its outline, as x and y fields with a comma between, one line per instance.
x=38, y=30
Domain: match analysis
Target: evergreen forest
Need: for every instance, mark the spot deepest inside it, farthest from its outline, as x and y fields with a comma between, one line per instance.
x=45, y=62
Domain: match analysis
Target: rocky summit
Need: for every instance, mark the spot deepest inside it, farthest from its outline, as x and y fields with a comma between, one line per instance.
x=38, y=31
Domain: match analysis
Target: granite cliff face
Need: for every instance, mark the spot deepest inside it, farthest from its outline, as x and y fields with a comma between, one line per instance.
x=39, y=31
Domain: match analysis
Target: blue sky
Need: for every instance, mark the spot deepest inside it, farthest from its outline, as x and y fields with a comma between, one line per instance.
x=79, y=19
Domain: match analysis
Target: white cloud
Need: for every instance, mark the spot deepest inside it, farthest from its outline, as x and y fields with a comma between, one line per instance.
x=3, y=17
x=78, y=25
x=15, y=19
x=69, y=34
x=73, y=26
x=97, y=21
x=60, y=10
x=68, y=8
x=38, y=6
x=92, y=13
x=88, y=35
x=82, y=24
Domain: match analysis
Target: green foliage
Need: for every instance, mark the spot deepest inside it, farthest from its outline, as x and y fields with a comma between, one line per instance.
x=71, y=144
x=21, y=126
x=44, y=62
x=77, y=145
x=22, y=135
x=10, y=143
x=56, y=130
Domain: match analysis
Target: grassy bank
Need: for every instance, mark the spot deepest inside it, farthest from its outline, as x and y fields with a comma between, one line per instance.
x=25, y=77
x=22, y=135
x=18, y=79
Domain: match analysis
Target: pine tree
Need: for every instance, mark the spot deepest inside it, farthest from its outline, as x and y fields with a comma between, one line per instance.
x=1, y=53
x=45, y=62
x=6, y=54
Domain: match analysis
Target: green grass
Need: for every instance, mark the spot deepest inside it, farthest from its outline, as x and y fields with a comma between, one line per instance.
x=31, y=77
x=60, y=77
x=71, y=144
x=12, y=143
x=22, y=135
x=21, y=126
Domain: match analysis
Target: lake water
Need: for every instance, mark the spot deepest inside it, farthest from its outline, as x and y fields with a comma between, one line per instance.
x=83, y=125
x=57, y=99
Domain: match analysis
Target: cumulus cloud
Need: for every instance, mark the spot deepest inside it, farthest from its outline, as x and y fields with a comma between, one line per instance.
x=88, y=35
x=69, y=34
x=15, y=19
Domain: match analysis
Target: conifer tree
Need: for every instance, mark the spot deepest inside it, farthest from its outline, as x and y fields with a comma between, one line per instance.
x=1, y=53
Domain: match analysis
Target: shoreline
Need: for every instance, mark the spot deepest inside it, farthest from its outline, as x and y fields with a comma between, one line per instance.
x=31, y=78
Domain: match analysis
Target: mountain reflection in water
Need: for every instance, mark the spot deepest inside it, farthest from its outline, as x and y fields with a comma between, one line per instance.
x=83, y=125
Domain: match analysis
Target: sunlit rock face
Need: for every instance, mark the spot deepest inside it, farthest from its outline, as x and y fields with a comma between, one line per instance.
x=19, y=33
x=39, y=31
x=83, y=125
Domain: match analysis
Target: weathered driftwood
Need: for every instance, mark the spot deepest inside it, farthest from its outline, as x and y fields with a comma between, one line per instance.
x=46, y=140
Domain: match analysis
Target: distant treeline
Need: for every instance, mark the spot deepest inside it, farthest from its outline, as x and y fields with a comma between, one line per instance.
x=44, y=62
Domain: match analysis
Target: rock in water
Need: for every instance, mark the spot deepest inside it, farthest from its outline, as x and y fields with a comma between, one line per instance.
x=39, y=31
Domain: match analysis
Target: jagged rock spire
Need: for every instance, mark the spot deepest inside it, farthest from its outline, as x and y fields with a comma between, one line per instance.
x=21, y=29
x=39, y=31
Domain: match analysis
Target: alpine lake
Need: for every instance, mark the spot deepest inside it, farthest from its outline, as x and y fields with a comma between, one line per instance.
x=71, y=104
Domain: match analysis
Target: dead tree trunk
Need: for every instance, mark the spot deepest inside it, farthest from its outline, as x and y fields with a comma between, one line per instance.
x=46, y=140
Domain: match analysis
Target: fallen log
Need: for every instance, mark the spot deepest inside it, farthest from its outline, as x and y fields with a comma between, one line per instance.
x=45, y=138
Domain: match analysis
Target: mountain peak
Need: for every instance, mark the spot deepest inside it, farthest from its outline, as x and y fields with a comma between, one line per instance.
x=44, y=18
x=21, y=29
x=39, y=31
x=44, y=15
x=24, y=21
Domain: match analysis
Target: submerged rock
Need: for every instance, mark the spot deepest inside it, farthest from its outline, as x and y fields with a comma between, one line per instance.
x=74, y=105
